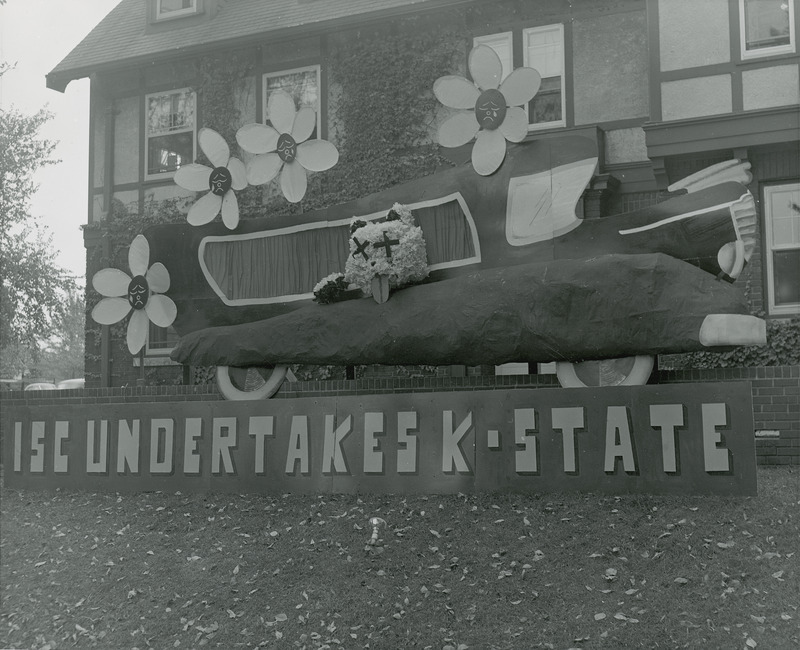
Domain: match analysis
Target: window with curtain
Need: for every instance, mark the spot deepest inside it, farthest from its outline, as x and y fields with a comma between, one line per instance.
x=782, y=227
x=169, y=131
x=303, y=84
x=542, y=49
x=767, y=27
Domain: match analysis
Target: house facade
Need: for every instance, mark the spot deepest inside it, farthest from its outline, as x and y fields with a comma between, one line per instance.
x=664, y=88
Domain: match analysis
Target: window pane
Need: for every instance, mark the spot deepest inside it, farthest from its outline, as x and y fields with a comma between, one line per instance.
x=161, y=339
x=165, y=153
x=545, y=52
x=786, y=267
x=501, y=44
x=302, y=85
x=170, y=112
x=766, y=23
x=169, y=6
x=784, y=210
x=546, y=105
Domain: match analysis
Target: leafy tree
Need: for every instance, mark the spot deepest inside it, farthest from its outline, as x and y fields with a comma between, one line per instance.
x=62, y=354
x=32, y=286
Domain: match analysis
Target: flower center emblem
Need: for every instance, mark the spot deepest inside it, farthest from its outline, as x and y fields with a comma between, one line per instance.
x=138, y=292
x=490, y=109
x=287, y=148
x=220, y=181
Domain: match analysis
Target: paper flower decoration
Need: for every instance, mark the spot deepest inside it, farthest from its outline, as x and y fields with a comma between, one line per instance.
x=496, y=114
x=285, y=147
x=228, y=174
x=140, y=294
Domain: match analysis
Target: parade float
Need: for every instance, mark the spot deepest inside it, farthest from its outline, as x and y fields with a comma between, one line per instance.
x=494, y=263
x=486, y=262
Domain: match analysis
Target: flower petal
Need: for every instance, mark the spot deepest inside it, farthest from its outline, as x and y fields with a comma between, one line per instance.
x=257, y=138
x=520, y=86
x=111, y=282
x=485, y=67
x=456, y=92
x=488, y=152
x=230, y=210
x=458, y=129
x=281, y=110
x=214, y=146
x=317, y=155
x=304, y=123
x=139, y=256
x=161, y=310
x=110, y=310
x=158, y=278
x=263, y=168
x=515, y=125
x=293, y=181
x=238, y=174
x=204, y=210
x=193, y=176
x=138, y=326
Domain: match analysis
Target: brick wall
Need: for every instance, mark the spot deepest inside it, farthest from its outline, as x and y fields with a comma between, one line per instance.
x=776, y=397
x=776, y=406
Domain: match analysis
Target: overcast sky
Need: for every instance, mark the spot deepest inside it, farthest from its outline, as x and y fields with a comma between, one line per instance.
x=37, y=35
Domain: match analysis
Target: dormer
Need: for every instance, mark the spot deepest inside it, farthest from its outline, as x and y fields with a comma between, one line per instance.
x=165, y=15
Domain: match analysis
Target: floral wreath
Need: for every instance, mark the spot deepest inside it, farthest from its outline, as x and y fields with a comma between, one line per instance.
x=393, y=247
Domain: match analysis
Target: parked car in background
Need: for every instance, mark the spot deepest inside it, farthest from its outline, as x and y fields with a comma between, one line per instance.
x=70, y=384
x=40, y=385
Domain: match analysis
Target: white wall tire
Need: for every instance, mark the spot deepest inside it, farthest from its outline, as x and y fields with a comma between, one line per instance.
x=625, y=371
x=264, y=389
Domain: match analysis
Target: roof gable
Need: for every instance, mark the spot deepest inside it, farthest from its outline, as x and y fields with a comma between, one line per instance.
x=122, y=36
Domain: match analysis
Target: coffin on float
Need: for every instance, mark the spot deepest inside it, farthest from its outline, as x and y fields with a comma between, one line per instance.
x=516, y=274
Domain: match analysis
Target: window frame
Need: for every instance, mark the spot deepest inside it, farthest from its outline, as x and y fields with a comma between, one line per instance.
x=769, y=247
x=777, y=50
x=158, y=17
x=559, y=27
x=157, y=352
x=522, y=35
x=314, y=67
x=147, y=136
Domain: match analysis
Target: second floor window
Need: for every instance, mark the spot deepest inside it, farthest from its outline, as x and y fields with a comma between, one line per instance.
x=542, y=49
x=301, y=83
x=170, y=127
x=767, y=27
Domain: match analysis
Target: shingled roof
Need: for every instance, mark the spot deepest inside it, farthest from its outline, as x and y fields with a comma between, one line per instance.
x=122, y=37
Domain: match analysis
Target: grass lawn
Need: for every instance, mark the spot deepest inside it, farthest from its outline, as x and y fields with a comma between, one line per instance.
x=160, y=570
